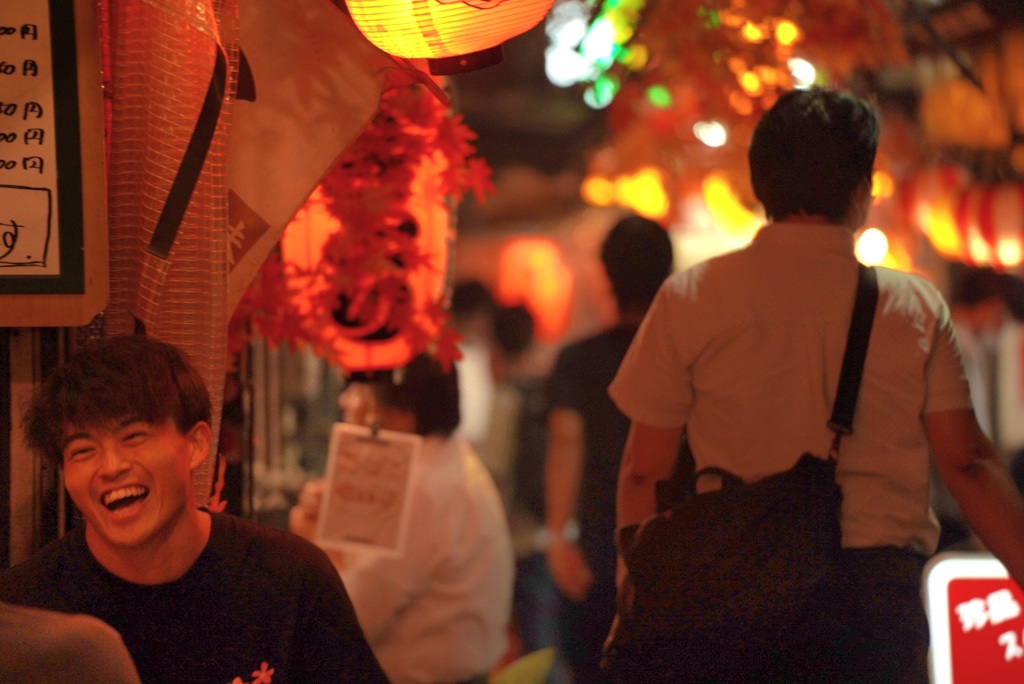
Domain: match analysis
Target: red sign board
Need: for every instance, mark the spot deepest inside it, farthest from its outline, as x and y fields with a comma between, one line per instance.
x=976, y=617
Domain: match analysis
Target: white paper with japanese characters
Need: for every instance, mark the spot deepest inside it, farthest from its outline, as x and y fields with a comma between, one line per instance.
x=368, y=485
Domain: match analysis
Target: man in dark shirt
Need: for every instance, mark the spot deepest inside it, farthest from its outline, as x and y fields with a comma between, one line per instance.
x=196, y=596
x=586, y=435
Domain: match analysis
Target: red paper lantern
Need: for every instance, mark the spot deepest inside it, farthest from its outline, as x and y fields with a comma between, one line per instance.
x=927, y=202
x=990, y=219
x=919, y=194
x=532, y=272
x=454, y=35
x=360, y=303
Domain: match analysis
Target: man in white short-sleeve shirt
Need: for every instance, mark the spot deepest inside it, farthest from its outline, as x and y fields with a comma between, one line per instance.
x=743, y=353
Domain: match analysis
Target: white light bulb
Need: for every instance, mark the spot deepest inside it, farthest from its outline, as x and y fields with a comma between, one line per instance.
x=803, y=72
x=711, y=133
x=872, y=246
x=565, y=67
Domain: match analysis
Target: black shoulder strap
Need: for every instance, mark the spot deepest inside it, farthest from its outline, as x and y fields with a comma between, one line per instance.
x=841, y=421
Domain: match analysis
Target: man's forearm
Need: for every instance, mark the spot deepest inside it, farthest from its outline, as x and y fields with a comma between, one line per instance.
x=563, y=470
x=992, y=506
x=636, y=497
x=650, y=455
x=975, y=475
x=561, y=490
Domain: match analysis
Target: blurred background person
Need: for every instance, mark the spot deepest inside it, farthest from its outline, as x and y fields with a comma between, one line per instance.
x=514, y=451
x=472, y=310
x=983, y=304
x=586, y=435
x=439, y=613
x=979, y=309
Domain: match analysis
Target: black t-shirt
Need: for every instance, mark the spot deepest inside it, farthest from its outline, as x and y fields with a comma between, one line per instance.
x=580, y=382
x=256, y=599
x=531, y=446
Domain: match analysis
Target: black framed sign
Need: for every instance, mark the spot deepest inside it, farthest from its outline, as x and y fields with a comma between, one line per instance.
x=53, y=235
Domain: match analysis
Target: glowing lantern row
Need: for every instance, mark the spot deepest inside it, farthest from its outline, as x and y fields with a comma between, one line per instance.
x=990, y=220
x=969, y=222
x=454, y=35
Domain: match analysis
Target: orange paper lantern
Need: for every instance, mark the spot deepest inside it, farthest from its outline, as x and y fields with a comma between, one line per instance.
x=454, y=35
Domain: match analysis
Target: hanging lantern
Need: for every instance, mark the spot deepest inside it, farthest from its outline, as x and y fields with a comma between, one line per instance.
x=990, y=219
x=391, y=313
x=927, y=202
x=532, y=272
x=919, y=193
x=453, y=35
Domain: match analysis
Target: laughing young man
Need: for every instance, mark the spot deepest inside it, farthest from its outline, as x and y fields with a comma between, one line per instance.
x=196, y=596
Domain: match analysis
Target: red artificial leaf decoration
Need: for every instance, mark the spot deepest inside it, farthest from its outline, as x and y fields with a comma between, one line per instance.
x=364, y=269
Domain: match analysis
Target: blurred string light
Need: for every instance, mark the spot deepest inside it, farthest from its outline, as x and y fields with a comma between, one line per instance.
x=730, y=215
x=686, y=80
x=803, y=72
x=603, y=90
x=882, y=185
x=642, y=191
x=711, y=133
x=752, y=33
x=565, y=26
x=600, y=51
x=581, y=50
x=787, y=33
x=659, y=96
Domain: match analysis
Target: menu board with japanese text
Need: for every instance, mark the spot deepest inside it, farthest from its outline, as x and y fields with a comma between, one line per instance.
x=53, y=234
x=369, y=477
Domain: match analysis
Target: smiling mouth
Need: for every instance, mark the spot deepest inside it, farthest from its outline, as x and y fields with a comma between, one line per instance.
x=125, y=496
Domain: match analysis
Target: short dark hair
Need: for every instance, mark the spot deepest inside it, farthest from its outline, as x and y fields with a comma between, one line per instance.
x=513, y=329
x=471, y=297
x=424, y=389
x=972, y=285
x=637, y=255
x=810, y=151
x=109, y=380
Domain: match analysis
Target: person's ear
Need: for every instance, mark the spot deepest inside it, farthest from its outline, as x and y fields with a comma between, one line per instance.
x=199, y=437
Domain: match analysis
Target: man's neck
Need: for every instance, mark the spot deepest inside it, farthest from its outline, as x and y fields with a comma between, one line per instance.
x=163, y=559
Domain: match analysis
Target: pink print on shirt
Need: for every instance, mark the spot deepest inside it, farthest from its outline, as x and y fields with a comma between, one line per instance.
x=264, y=675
